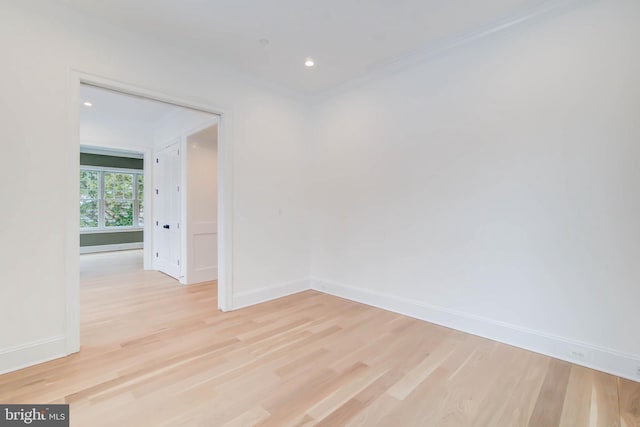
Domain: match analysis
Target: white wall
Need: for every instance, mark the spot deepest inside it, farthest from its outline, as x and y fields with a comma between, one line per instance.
x=178, y=124
x=41, y=42
x=201, y=225
x=495, y=188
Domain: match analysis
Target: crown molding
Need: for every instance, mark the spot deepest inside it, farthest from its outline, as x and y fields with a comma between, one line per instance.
x=434, y=50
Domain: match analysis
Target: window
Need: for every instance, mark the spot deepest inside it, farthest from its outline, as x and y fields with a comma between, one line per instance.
x=89, y=198
x=110, y=198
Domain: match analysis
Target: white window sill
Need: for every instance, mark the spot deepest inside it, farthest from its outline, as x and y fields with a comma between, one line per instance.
x=110, y=230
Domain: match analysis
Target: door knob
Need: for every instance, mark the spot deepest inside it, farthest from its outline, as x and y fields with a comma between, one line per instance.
x=167, y=226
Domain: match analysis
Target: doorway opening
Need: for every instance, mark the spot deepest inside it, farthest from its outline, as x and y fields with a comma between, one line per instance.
x=152, y=195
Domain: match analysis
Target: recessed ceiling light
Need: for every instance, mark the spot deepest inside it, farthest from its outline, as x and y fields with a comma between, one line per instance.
x=309, y=62
x=87, y=104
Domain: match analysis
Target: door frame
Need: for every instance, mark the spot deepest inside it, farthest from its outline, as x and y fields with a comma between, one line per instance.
x=72, y=224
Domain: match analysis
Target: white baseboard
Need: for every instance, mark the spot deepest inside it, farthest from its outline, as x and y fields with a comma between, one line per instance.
x=202, y=275
x=245, y=299
x=595, y=357
x=111, y=248
x=592, y=356
x=32, y=353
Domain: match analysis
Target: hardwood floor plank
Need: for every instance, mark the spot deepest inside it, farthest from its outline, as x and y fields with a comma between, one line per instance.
x=327, y=406
x=629, y=398
x=250, y=418
x=591, y=399
x=374, y=411
x=548, y=409
x=403, y=387
x=516, y=404
x=605, y=409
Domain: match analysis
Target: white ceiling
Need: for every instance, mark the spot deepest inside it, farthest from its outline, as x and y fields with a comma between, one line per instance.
x=117, y=109
x=116, y=118
x=347, y=38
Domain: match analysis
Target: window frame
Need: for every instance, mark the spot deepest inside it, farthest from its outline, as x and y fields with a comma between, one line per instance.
x=102, y=228
x=97, y=199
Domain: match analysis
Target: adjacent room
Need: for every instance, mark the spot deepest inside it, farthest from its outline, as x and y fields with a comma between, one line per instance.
x=129, y=144
x=132, y=143
x=337, y=213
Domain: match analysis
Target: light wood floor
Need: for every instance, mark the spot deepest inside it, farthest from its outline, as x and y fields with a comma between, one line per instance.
x=158, y=354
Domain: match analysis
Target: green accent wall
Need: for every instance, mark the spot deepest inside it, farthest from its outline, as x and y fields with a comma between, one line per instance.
x=99, y=239
x=87, y=159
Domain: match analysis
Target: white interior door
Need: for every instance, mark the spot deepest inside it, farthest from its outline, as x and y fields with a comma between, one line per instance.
x=167, y=210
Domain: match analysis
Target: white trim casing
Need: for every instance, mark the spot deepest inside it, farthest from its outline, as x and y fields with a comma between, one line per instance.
x=225, y=211
x=184, y=192
x=599, y=358
x=72, y=223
